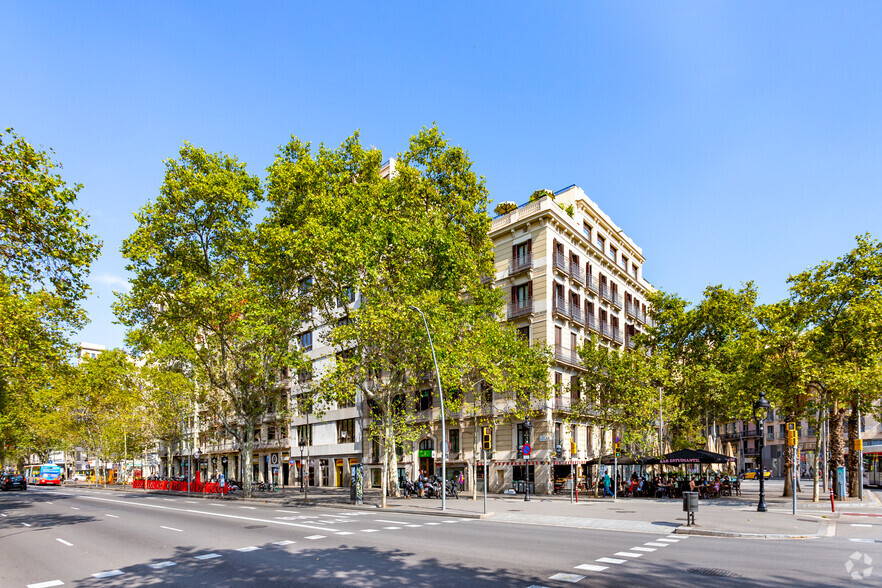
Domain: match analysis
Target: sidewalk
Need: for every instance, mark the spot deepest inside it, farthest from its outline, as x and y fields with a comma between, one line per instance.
x=723, y=517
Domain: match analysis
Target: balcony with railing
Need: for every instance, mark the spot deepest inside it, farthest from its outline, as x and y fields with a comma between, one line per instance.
x=559, y=262
x=521, y=263
x=617, y=336
x=576, y=273
x=560, y=307
x=615, y=299
x=606, y=330
x=630, y=310
x=591, y=322
x=567, y=356
x=629, y=343
x=605, y=292
x=560, y=403
x=576, y=314
x=591, y=283
x=520, y=308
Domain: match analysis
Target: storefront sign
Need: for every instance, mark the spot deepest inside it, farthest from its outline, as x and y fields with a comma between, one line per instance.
x=425, y=453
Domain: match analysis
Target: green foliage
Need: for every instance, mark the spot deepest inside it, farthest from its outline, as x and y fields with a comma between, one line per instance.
x=541, y=194
x=204, y=296
x=45, y=254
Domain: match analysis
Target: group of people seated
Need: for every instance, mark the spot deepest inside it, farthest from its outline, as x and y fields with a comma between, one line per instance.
x=660, y=486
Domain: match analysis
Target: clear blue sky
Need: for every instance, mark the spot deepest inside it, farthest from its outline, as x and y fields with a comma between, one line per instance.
x=732, y=141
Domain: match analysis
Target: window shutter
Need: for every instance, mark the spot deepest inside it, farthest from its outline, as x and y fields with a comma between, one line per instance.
x=514, y=252
x=514, y=295
x=530, y=246
x=530, y=289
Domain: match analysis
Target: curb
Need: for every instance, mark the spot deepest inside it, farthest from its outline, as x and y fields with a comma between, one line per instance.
x=827, y=529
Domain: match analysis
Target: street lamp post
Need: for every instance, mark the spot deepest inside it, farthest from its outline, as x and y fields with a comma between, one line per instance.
x=443, y=424
x=529, y=426
x=760, y=410
x=302, y=444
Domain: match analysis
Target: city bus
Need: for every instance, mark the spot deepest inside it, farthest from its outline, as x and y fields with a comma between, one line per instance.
x=44, y=474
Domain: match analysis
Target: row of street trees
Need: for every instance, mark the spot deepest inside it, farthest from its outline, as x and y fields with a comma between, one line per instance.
x=223, y=296
x=817, y=355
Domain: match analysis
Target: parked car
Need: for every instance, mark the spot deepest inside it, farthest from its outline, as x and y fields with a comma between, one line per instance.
x=754, y=474
x=81, y=477
x=13, y=481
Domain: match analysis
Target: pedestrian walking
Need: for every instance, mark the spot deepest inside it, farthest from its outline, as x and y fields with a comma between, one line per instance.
x=461, y=481
x=606, y=483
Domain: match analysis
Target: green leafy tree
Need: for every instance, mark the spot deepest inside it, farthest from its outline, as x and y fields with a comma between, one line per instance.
x=418, y=236
x=45, y=254
x=205, y=296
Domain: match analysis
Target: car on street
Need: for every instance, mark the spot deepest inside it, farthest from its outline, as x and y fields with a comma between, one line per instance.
x=81, y=477
x=754, y=474
x=13, y=482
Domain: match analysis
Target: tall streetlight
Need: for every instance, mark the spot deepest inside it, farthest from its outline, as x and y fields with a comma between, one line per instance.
x=761, y=410
x=443, y=425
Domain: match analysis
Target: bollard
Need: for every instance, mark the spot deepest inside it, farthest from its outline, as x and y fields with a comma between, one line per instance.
x=832, y=501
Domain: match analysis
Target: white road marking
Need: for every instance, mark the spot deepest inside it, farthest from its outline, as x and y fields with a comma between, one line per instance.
x=591, y=567
x=171, y=528
x=669, y=540
x=412, y=526
x=678, y=536
x=860, y=525
x=48, y=584
x=249, y=507
x=109, y=574
x=170, y=499
x=562, y=577
x=628, y=554
x=611, y=560
x=65, y=542
x=314, y=537
x=653, y=544
x=49, y=502
x=861, y=540
x=285, y=542
x=449, y=521
x=25, y=524
x=3, y=515
x=207, y=556
x=343, y=533
x=433, y=524
x=393, y=522
x=112, y=516
x=192, y=501
x=288, y=511
x=249, y=548
x=369, y=531
x=391, y=528
x=161, y=564
x=643, y=549
x=205, y=512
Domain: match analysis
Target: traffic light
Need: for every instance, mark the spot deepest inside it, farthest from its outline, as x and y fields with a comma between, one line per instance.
x=792, y=435
x=574, y=449
x=488, y=439
x=618, y=450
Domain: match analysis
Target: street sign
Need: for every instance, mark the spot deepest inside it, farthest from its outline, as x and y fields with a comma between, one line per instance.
x=526, y=449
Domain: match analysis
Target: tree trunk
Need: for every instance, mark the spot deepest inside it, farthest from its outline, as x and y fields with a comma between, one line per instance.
x=473, y=464
x=246, y=454
x=816, y=475
x=853, y=464
x=835, y=446
x=788, y=468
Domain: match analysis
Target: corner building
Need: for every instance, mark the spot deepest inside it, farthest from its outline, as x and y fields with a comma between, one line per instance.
x=569, y=272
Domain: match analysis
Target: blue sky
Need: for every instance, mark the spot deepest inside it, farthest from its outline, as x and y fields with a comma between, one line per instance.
x=731, y=141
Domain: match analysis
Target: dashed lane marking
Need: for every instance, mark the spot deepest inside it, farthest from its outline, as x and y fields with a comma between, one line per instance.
x=3, y=515
x=192, y=501
x=74, y=508
x=370, y=531
x=342, y=533
x=647, y=549
x=314, y=537
x=207, y=556
x=860, y=525
x=669, y=540
x=678, y=536
x=249, y=507
x=249, y=548
x=653, y=544
x=591, y=568
x=392, y=522
x=285, y=542
x=112, y=516
x=628, y=554
x=413, y=526
x=562, y=577
x=391, y=528
x=171, y=528
x=48, y=584
x=433, y=524
x=449, y=521
x=610, y=560
x=288, y=511
x=64, y=542
x=109, y=574
x=161, y=564
x=26, y=525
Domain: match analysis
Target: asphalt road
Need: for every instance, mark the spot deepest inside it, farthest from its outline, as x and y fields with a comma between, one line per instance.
x=85, y=537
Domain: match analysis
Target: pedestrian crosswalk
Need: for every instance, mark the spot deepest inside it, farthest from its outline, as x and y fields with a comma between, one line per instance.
x=613, y=561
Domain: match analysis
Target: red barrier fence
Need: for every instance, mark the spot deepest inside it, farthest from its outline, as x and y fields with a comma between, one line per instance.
x=209, y=488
